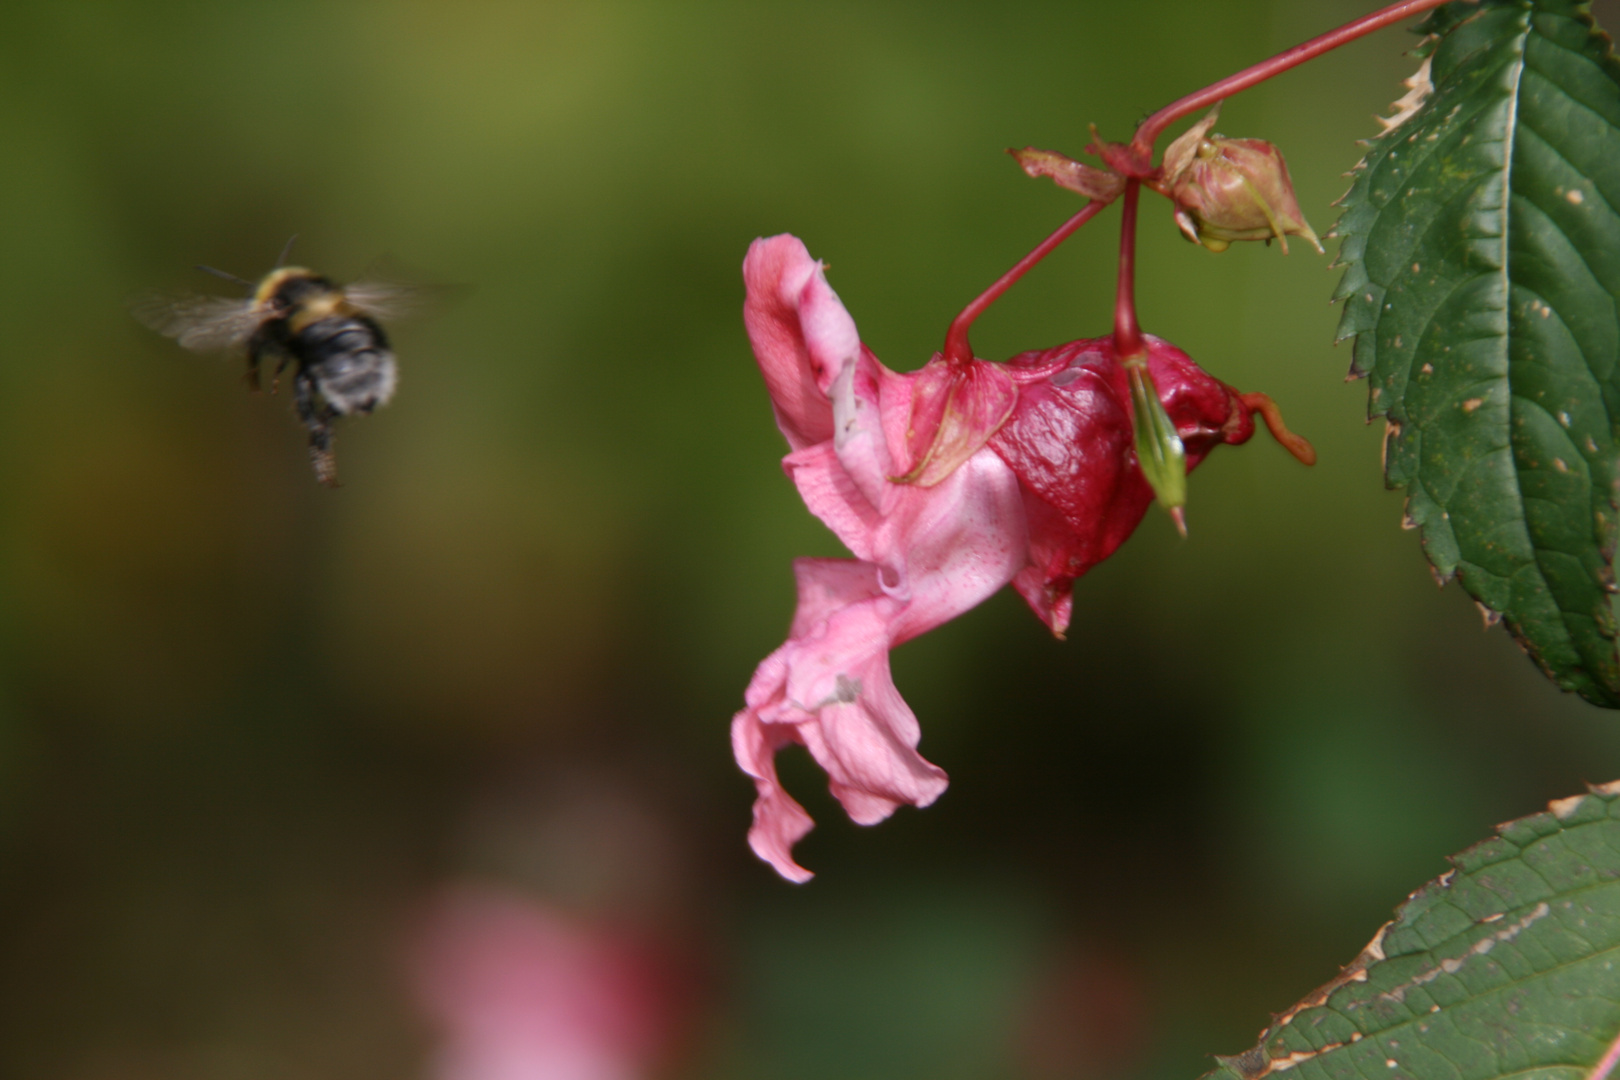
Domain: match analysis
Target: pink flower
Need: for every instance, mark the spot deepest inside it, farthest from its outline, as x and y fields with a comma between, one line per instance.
x=923, y=555
x=946, y=483
x=520, y=991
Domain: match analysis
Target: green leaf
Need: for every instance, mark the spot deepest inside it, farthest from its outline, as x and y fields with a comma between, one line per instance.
x=1506, y=965
x=1482, y=286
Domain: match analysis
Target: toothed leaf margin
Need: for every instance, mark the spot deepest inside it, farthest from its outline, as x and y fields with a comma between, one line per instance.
x=1481, y=244
x=1504, y=966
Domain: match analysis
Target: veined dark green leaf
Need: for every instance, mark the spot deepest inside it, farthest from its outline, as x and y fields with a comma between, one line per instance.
x=1507, y=965
x=1482, y=286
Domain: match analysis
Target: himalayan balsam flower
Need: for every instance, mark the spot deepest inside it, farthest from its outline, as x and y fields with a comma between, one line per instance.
x=946, y=483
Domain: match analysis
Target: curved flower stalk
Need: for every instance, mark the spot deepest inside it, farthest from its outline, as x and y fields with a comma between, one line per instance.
x=946, y=484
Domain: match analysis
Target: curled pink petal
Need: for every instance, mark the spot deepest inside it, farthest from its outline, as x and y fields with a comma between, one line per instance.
x=924, y=554
x=800, y=332
x=779, y=820
x=829, y=689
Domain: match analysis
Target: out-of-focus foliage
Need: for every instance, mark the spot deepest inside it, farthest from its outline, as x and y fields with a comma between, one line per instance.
x=1483, y=292
x=249, y=726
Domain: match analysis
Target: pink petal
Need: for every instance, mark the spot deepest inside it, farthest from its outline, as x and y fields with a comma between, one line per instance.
x=779, y=821
x=801, y=334
x=869, y=748
x=859, y=437
x=832, y=495
x=829, y=687
x=925, y=553
x=955, y=410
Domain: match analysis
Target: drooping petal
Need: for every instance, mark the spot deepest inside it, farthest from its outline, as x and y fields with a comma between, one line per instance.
x=779, y=820
x=801, y=335
x=828, y=689
x=940, y=551
x=863, y=734
x=952, y=546
x=869, y=749
x=832, y=495
x=925, y=553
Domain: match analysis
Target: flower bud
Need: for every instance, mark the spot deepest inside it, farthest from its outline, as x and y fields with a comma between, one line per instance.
x=1231, y=189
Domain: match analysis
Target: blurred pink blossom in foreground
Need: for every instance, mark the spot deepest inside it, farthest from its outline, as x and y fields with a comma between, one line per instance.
x=522, y=992
x=946, y=483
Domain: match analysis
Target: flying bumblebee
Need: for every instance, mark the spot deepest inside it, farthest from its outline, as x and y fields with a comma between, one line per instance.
x=331, y=333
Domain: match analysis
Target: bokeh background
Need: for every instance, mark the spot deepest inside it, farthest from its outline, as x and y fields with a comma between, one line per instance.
x=299, y=782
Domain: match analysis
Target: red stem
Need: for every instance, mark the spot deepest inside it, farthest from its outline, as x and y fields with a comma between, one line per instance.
x=1150, y=130
x=957, y=347
x=1127, y=334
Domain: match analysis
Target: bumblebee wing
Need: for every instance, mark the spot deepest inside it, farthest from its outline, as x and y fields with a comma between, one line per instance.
x=387, y=300
x=200, y=323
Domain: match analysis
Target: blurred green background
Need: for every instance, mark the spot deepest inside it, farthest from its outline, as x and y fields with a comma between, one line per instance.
x=247, y=724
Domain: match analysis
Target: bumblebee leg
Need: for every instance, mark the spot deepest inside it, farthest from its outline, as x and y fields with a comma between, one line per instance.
x=281, y=365
x=317, y=417
x=255, y=351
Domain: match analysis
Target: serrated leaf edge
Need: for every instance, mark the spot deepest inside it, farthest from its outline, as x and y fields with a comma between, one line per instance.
x=1420, y=89
x=1256, y=1064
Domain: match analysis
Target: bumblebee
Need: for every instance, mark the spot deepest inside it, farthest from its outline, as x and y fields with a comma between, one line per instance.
x=343, y=364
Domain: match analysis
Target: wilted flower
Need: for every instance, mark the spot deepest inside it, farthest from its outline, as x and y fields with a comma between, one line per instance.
x=946, y=483
x=1070, y=442
x=1231, y=189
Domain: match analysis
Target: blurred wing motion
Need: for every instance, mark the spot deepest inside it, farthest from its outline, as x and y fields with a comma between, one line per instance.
x=389, y=300
x=201, y=323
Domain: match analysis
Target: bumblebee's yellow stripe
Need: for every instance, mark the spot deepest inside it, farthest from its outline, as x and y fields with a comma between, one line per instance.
x=317, y=308
x=276, y=279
